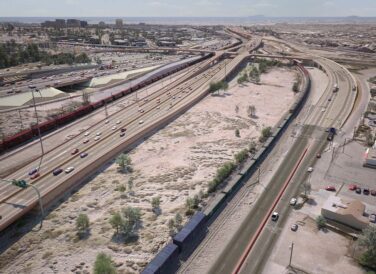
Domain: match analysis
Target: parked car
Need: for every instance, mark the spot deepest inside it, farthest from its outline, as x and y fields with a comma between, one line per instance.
x=83, y=154
x=33, y=171
x=365, y=191
x=99, y=133
x=330, y=188
x=106, y=121
x=122, y=134
x=140, y=122
x=86, y=141
x=293, y=201
x=353, y=187
x=318, y=155
x=373, y=192
x=358, y=190
x=97, y=138
x=57, y=171
x=275, y=216
x=118, y=122
x=123, y=129
x=69, y=169
x=114, y=127
x=74, y=151
x=310, y=169
x=294, y=227
x=35, y=175
x=87, y=133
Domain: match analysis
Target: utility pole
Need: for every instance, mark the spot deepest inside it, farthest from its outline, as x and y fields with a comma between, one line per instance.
x=40, y=136
x=19, y=112
x=291, y=247
x=333, y=153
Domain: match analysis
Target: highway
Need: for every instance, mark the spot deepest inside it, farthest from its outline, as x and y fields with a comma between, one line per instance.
x=158, y=108
x=250, y=245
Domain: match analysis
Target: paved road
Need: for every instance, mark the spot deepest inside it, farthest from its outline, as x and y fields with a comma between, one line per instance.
x=16, y=202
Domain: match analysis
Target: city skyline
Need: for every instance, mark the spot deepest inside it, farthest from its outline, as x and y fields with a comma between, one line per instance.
x=198, y=8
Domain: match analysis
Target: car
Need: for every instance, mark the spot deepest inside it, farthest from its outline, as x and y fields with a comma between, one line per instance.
x=294, y=227
x=365, y=191
x=318, y=155
x=83, y=154
x=158, y=107
x=98, y=133
x=114, y=127
x=97, y=138
x=330, y=99
x=330, y=188
x=106, y=121
x=118, y=122
x=33, y=171
x=353, y=187
x=373, y=192
x=310, y=169
x=35, y=175
x=87, y=133
x=275, y=216
x=140, y=122
x=86, y=141
x=69, y=169
x=372, y=218
x=57, y=171
x=293, y=201
x=74, y=151
x=123, y=129
x=122, y=134
x=358, y=190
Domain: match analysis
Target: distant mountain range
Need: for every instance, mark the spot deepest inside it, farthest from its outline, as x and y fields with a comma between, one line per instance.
x=203, y=20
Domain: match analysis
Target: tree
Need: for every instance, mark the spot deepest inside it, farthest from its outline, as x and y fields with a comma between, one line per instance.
x=237, y=133
x=241, y=156
x=307, y=188
x=368, y=240
x=295, y=87
x=116, y=221
x=124, y=162
x=82, y=223
x=132, y=215
x=252, y=147
x=130, y=184
x=155, y=203
x=320, y=222
x=265, y=134
x=178, y=220
x=103, y=264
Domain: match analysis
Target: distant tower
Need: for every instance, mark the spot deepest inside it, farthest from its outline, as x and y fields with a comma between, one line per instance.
x=119, y=23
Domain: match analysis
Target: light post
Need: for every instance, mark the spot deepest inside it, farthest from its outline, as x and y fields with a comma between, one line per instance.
x=23, y=184
x=291, y=247
x=39, y=135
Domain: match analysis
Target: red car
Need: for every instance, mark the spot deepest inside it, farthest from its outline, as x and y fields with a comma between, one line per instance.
x=74, y=151
x=35, y=175
x=330, y=188
x=353, y=187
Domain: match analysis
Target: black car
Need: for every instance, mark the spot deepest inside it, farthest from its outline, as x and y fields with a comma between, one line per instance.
x=358, y=190
x=57, y=171
x=365, y=191
x=122, y=134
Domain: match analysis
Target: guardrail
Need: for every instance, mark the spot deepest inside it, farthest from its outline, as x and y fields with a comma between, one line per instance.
x=28, y=134
x=190, y=236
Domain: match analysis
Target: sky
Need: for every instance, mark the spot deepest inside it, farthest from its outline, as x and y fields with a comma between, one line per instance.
x=186, y=8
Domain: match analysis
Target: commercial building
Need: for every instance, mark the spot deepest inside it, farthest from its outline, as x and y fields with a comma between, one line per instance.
x=119, y=23
x=348, y=212
x=370, y=158
x=73, y=23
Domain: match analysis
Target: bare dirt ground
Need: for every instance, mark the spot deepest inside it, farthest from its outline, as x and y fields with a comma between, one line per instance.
x=175, y=163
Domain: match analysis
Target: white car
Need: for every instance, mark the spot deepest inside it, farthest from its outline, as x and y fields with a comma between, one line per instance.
x=114, y=127
x=310, y=169
x=106, y=122
x=293, y=201
x=69, y=169
x=275, y=216
x=118, y=122
x=97, y=138
x=87, y=133
x=141, y=122
x=99, y=133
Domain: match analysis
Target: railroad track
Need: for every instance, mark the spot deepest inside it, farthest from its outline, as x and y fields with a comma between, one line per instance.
x=184, y=91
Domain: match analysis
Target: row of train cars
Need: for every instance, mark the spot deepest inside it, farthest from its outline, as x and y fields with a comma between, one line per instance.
x=187, y=239
x=63, y=119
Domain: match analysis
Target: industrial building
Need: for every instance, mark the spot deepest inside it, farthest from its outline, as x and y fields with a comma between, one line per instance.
x=348, y=212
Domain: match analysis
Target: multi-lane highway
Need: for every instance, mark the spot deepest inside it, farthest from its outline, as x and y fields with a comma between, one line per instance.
x=251, y=243
x=137, y=119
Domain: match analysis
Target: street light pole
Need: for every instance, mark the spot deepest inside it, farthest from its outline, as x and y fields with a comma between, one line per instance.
x=291, y=250
x=39, y=135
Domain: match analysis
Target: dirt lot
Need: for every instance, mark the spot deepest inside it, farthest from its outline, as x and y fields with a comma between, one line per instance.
x=175, y=163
